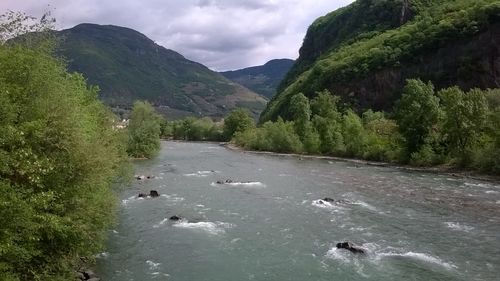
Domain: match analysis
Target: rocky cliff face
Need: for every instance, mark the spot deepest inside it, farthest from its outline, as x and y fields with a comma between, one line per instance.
x=468, y=63
x=454, y=42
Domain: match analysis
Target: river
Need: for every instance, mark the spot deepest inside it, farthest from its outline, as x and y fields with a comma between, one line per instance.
x=270, y=225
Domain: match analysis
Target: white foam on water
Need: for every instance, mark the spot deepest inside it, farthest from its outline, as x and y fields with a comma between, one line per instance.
x=320, y=203
x=213, y=228
x=491, y=192
x=153, y=265
x=131, y=199
x=160, y=223
x=200, y=206
x=102, y=255
x=458, y=226
x=365, y=205
x=247, y=184
x=172, y=198
x=418, y=256
x=483, y=185
x=336, y=254
x=235, y=240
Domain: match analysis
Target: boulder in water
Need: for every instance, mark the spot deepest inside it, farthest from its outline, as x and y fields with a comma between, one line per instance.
x=142, y=195
x=349, y=246
x=154, y=193
x=328, y=199
x=175, y=218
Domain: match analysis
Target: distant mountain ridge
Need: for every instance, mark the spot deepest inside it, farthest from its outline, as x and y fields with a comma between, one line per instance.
x=262, y=79
x=128, y=66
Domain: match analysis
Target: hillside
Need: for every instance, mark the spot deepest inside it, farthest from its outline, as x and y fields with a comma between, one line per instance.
x=128, y=66
x=365, y=51
x=262, y=79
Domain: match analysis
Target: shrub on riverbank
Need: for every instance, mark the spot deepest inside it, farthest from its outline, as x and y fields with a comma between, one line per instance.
x=144, y=131
x=59, y=156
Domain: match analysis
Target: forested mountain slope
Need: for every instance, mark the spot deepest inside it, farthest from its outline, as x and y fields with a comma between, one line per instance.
x=365, y=51
x=128, y=66
x=262, y=79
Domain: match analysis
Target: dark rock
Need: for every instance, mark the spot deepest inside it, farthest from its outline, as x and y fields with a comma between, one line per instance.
x=142, y=195
x=350, y=247
x=175, y=218
x=328, y=199
x=154, y=193
x=80, y=276
x=88, y=274
x=229, y=181
x=141, y=177
x=150, y=177
x=220, y=182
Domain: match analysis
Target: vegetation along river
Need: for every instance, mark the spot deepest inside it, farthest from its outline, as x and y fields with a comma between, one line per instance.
x=268, y=224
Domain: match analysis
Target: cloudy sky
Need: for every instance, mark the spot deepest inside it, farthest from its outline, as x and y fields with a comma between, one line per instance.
x=222, y=34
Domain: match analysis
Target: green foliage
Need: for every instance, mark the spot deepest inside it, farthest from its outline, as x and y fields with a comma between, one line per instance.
x=417, y=114
x=59, y=155
x=276, y=136
x=438, y=23
x=193, y=129
x=238, y=120
x=144, y=131
x=354, y=134
x=465, y=116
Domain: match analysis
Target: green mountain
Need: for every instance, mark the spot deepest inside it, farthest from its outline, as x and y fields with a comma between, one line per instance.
x=262, y=79
x=128, y=66
x=364, y=52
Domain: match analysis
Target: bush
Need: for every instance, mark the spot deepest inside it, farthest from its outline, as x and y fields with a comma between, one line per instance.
x=144, y=131
x=59, y=156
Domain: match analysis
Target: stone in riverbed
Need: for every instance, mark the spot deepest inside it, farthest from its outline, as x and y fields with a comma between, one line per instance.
x=154, y=193
x=348, y=246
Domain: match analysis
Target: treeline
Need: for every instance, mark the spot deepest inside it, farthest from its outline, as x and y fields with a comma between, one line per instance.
x=449, y=127
x=205, y=129
x=61, y=154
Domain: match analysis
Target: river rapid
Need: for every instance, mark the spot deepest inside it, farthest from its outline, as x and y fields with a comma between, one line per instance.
x=269, y=223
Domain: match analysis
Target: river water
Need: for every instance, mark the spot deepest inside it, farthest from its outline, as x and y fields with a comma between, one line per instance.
x=269, y=225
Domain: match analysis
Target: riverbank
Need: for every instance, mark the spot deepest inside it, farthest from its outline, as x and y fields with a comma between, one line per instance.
x=445, y=170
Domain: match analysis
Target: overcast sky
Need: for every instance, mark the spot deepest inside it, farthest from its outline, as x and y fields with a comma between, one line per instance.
x=221, y=34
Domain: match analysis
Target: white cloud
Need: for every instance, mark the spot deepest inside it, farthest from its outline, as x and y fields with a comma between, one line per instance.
x=222, y=34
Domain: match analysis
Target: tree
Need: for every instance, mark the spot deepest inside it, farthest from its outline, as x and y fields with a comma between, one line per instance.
x=327, y=122
x=417, y=114
x=465, y=116
x=59, y=156
x=353, y=133
x=238, y=120
x=144, y=131
x=300, y=111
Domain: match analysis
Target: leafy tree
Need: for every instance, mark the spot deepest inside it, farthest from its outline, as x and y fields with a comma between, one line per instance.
x=417, y=114
x=327, y=122
x=353, y=133
x=59, y=156
x=144, y=131
x=465, y=116
x=238, y=120
x=300, y=111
